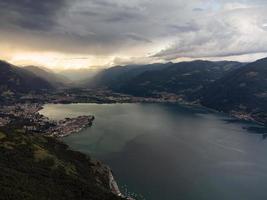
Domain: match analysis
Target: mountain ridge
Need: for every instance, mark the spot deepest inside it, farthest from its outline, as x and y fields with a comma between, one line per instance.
x=232, y=87
x=57, y=80
x=179, y=78
x=243, y=90
x=16, y=79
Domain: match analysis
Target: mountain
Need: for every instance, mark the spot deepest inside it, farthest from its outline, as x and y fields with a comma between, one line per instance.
x=37, y=167
x=17, y=80
x=56, y=80
x=244, y=91
x=186, y=79
x=79, y=75
x=116, y=77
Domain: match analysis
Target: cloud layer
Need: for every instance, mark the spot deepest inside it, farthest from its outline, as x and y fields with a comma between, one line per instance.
x=145, y=30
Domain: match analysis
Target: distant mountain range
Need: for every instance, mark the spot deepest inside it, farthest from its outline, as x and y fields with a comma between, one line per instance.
x=233, y=87
x=118, y=76
x=243, y=90
x=15, y=79
x=79, y=75
x=185, y=79
x=57, y=80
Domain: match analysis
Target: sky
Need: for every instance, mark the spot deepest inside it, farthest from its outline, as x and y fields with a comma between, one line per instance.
x=61, y=34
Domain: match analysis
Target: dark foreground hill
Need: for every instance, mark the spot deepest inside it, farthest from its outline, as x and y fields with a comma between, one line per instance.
x=243, y=90
x=17, y=80
x=36, y=167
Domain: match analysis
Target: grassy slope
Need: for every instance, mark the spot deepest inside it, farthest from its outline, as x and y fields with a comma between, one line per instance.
x=36, y=167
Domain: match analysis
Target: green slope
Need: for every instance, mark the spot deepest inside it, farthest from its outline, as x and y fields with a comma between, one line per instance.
x=35, y=167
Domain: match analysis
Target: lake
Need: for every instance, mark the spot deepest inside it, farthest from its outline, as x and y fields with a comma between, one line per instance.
x=172, y=152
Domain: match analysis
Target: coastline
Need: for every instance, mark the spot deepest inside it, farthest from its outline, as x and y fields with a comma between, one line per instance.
x=105, y=96
x=78, y=108
x=113, y=186
x=70, y=126
x=239, y=115
x=30, y=121
x=33, y=110
x=112, y=182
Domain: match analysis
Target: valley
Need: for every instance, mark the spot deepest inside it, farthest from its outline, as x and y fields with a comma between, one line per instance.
x=236, y=89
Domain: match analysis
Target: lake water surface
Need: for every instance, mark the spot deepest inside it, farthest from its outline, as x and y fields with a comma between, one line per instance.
x=172, y=152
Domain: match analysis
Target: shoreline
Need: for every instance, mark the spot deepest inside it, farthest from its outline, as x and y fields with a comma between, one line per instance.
x=113, y=186
x=70, y=126
x=109, y=97
x=112, y=182
x=34, y=109
x=238, y=115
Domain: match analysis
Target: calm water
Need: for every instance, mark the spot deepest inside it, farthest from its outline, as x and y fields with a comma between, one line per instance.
x=171, y=152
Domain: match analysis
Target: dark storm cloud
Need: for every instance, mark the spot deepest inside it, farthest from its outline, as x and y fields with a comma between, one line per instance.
x=88, y=13
x=110, y=11
x=167, y=29
x=122, y=17
x=137, y=37
x=189, y=27
x=198, y=9
x=30, y=14
x=103, y=3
